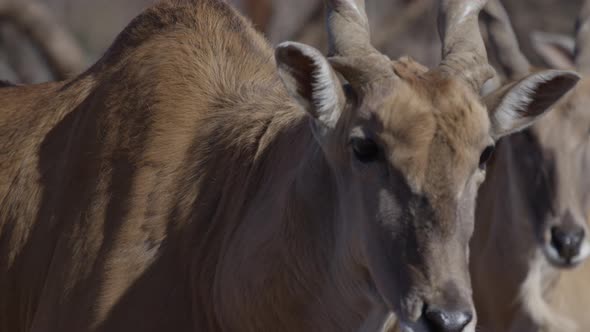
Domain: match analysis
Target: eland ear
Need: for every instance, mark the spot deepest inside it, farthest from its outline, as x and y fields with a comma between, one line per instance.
x=310, y=80
x=517, y=105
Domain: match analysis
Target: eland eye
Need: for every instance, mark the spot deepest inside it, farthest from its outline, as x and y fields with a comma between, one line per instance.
x=365, y=149
x=485, y=157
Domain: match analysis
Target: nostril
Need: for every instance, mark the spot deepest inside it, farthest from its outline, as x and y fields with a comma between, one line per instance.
x=447, y=321
x=579, y=236
x=567, y=241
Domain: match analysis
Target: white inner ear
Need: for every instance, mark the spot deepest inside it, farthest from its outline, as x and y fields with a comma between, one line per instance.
x=511, y=115
x=324, y=93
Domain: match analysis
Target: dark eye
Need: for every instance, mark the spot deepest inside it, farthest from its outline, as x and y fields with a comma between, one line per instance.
x=485, y=157
x=365, y=149
x=349, y=92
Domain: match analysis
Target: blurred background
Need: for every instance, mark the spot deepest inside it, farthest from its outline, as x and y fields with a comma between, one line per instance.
x=42, y=40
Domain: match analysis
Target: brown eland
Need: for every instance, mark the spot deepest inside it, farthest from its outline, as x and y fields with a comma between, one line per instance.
x=532, y=213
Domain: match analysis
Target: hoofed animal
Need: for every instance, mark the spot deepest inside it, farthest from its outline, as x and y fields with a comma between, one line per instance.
x=184, y=183
x=534, y=208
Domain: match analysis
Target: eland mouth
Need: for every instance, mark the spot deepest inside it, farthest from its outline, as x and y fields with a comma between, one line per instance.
x=553, y=256
x=453, y=316
x=566, y=247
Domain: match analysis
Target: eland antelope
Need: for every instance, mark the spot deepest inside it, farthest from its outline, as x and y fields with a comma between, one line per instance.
x=533, y=209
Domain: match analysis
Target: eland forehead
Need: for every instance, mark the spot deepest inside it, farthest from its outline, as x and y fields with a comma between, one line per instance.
x=431, y=124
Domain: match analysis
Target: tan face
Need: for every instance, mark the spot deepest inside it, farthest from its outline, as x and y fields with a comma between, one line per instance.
x=561, y=144
x=552, y=158
x=408, y=158
x=407, y=150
